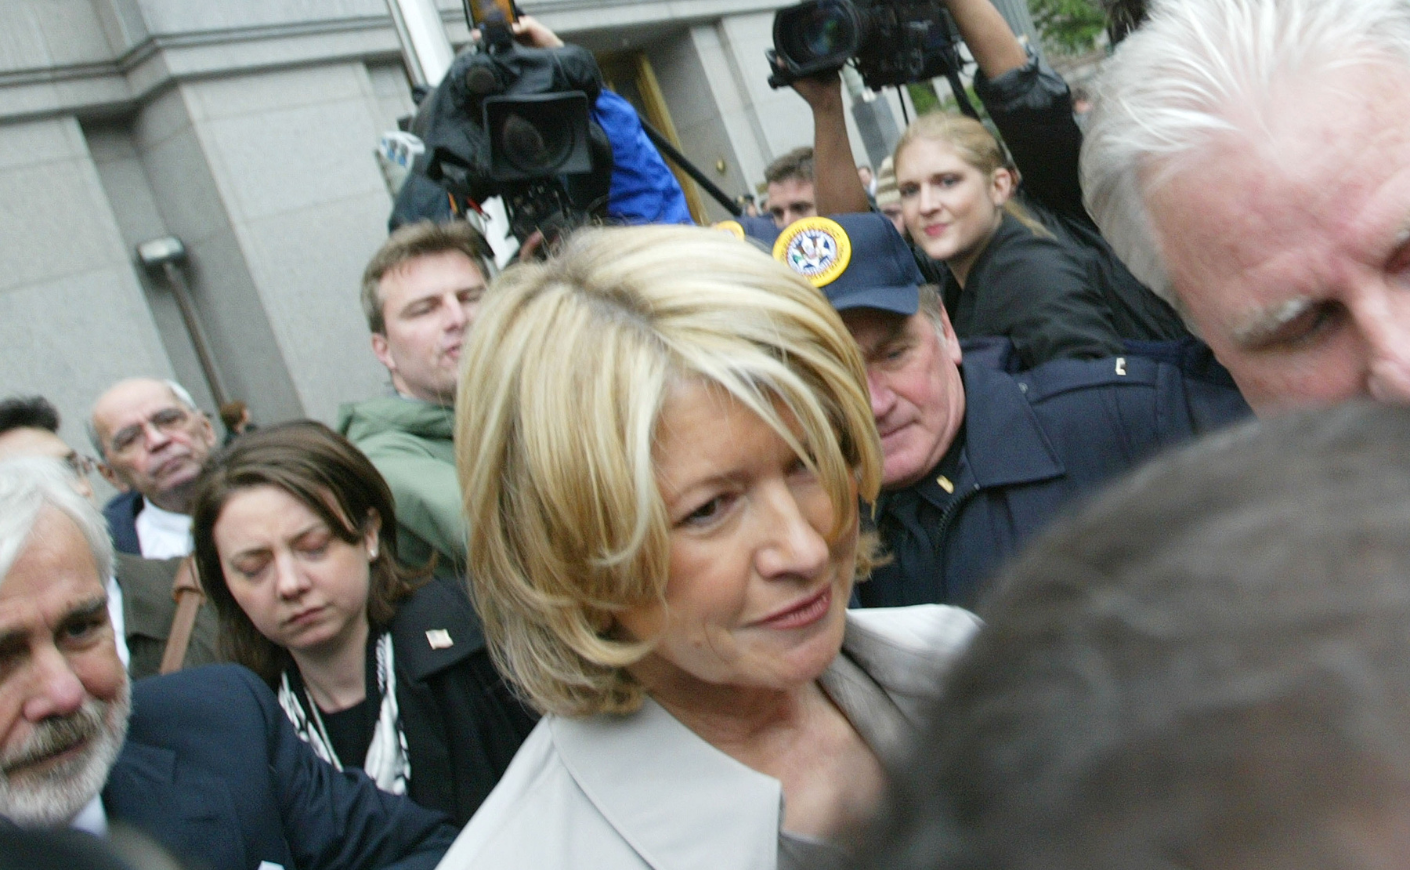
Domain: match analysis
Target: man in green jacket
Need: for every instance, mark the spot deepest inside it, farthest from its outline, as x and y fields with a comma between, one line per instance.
x=420, y=293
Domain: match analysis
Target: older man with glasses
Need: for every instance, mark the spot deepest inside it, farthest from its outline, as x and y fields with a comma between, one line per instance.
x=153, y=441
x=141, y=602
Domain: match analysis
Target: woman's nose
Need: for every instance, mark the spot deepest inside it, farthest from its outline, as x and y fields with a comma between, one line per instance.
x=289, y=580
x=794, y=547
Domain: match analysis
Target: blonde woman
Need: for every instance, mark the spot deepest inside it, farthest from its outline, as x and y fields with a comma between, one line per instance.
x=1021, y=261
x=662, y=436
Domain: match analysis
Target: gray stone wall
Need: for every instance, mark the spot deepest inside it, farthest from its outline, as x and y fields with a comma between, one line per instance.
x=246, y=128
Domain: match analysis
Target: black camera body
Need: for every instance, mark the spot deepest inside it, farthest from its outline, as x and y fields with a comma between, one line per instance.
x=891, y=42
x=515, y=122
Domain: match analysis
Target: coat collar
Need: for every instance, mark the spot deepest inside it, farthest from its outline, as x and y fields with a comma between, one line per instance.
x=691, y=787
x=435, y=629
x=906, y=651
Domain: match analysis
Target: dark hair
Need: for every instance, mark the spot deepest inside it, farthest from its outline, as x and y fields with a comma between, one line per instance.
x=1209, y=666
x=333, y=479
x=231, y=412
x=28, y=412
x=797, y=163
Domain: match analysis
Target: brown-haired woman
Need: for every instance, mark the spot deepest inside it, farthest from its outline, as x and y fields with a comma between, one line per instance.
x=378, y=669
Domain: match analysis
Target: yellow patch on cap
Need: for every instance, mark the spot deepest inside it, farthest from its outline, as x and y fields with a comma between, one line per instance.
x=816, y=248
x=734, y=228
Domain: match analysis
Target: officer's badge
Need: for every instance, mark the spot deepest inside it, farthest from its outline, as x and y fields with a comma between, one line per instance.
x=816, y=248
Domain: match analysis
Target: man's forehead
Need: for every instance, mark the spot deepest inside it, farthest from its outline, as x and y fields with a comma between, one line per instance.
x=53, y=575
x=1278, y=211
x=131, y=402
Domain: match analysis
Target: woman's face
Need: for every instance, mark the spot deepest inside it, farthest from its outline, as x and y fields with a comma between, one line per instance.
x=950, y=207
x=302, y=586
x=756, y=593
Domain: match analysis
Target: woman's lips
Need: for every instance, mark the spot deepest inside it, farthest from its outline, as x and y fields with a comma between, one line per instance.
x=304, y=617
x=802, y=614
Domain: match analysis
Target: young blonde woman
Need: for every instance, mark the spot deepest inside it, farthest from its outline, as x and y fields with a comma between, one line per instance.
x=1021, y=261
x=662, y=435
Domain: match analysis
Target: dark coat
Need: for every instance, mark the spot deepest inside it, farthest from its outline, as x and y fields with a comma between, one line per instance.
x=1032, y=108
x=213, y=771
x=1067, y=296
x=148, y=609
x=1036, y=291
x=462, y=722
x=1034, y=442
x=121, y=513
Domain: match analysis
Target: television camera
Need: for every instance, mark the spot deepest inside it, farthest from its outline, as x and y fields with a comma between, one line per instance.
x=515, y=121
x=890, y=42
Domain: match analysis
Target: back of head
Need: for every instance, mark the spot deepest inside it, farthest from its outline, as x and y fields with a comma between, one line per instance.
x=28, y=412
x=231, y=413
x=29, y=486
x=1209, y=667
x=1198, y=68
x=566, y=522
x=886, y=192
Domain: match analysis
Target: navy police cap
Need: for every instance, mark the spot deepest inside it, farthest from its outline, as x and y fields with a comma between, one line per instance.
x=857, y=260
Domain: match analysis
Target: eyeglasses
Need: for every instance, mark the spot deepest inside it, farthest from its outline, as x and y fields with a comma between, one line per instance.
x=165, y=421
x=80, y=464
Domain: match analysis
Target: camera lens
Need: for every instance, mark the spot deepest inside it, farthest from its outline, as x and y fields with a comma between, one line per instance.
x=816, y=35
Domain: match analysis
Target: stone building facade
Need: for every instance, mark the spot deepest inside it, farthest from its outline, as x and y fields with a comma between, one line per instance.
x=246, y=128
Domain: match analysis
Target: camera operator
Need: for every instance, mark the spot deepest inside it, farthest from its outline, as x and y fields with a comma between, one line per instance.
x=1024, y=263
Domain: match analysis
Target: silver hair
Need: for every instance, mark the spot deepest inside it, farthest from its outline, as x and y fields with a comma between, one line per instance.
x=1201, y=67
x=30, y=484
x=182, y=395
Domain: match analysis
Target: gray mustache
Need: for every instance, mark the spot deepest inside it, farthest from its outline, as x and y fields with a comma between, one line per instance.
x=55, y=735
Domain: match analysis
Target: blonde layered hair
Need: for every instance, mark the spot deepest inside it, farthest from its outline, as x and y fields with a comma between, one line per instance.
x=564, y=378
x=976, y=146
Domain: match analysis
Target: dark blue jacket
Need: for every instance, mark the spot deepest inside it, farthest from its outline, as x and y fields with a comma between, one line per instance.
x=213, y=771
x=1033, y=441
x=121, y=513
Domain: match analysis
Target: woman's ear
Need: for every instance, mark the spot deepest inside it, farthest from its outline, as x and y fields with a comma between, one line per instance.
x=1001, y=185
x=371, y=532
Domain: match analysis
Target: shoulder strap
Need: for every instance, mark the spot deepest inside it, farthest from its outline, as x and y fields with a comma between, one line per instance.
x=189, y=597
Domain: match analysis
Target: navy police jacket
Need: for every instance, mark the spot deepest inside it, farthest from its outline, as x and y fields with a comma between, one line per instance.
x=1032, y=442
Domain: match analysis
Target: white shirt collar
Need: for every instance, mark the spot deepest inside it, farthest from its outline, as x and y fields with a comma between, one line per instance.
x=92, y=818
x=162, y=533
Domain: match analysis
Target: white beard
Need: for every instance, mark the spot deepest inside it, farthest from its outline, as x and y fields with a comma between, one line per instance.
x=54, y=797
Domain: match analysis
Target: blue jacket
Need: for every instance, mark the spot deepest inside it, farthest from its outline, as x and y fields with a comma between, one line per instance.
x=1032, y=442
x=213, y=771
x=121, y=513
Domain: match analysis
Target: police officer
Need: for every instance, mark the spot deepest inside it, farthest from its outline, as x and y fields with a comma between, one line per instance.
x=978, y=457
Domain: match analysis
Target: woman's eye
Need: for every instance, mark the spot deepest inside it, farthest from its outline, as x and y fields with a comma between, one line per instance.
x=708, y=512
x=799, y=470
x=249, y=570
x=908, y=190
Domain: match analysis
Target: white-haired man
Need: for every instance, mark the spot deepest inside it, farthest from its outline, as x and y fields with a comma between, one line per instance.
x=203, y=762
x=153, y=441
x=1250, y=160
